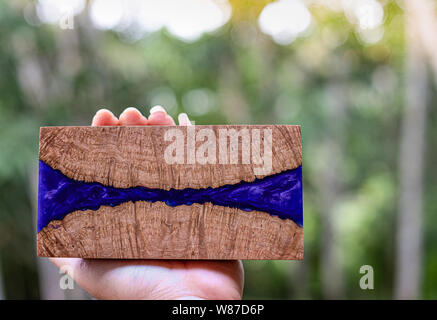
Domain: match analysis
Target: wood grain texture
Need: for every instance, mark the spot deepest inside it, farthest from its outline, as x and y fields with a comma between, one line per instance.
x=156, y=231
x=126, y=157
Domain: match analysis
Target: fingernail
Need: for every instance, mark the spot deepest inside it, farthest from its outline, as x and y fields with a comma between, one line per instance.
x=104, y=110
x=157, y=108
x=183, y=119
x=131, y=108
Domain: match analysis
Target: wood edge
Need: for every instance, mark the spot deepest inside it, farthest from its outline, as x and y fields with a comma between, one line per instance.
x=177, y=126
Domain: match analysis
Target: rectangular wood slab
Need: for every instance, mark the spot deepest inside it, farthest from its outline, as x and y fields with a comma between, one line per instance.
x=169, y=192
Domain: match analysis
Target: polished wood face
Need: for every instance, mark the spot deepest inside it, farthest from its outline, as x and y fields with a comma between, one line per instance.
x=130, y=157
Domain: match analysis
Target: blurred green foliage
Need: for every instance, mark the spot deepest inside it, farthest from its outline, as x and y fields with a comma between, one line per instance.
x=51, y=76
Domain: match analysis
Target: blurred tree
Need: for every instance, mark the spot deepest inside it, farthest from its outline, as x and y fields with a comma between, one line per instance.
x=332, y=273
x=411, y=162
x=426, y=24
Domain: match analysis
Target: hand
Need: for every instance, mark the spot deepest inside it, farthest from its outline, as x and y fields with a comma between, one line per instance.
x=153, y=279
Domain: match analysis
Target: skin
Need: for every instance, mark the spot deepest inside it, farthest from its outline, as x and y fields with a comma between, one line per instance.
x=153, y=279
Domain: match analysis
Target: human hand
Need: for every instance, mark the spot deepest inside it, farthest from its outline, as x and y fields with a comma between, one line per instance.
x=153, y=279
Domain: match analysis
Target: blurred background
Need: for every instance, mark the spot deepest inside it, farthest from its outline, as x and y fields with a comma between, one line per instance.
x=359, y=76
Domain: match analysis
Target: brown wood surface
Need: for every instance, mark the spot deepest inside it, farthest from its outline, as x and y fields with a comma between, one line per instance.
x=126, y=157
x=133, y=156
x=157, y=231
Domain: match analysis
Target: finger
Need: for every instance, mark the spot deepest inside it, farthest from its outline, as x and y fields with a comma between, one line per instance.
x=184, y=120
x=124, y=279
x=155, y=279
x=66, y=264
x=159, y=117
x=99, y=278
x=216, y=280
x=105, y=117
x=132, y=117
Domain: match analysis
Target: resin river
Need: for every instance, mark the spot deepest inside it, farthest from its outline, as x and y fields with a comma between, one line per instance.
x=278, y=195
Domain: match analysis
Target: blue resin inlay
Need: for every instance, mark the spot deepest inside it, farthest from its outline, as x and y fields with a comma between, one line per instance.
x=279, y=195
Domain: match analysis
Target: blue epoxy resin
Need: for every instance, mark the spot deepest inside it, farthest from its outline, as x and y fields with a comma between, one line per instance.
x=279, y=195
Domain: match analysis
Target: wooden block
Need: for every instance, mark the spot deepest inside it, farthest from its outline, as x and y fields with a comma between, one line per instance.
x=169, y=192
